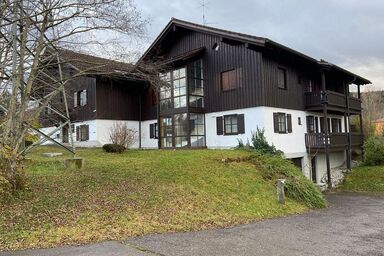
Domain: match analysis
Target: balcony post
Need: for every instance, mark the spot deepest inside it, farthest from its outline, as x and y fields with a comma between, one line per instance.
x=347, y=124
x=326, y=131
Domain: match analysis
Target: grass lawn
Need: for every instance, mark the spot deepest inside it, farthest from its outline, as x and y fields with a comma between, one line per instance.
x=135, y=193
x=365, y=179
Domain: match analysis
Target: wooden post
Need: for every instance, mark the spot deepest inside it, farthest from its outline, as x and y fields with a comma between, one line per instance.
x=347, y=127
x=280, y=191
x=325, y=128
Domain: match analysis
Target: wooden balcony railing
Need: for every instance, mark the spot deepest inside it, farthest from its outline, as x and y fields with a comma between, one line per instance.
x=334, y=100
x=315, y=141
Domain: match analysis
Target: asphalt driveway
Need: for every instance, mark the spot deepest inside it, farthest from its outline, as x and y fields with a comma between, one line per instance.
x=352, y=225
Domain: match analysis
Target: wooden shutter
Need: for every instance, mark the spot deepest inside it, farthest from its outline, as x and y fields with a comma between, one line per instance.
x=151, y=131
x=276, y=122
x=77, y=133
x=240, y=124
x=86, y=127
x=75, y=99
x=289, y=123
x=219, y=125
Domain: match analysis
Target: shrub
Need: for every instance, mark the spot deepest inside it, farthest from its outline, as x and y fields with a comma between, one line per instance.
x=113, y=148
x=297, y=186
x=374, y=151
x=30, y=139
x=12, y=175
x=259, y=143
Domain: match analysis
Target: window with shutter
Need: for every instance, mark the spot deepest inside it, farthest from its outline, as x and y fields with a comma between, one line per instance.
x=280, y=122
x=231, y=125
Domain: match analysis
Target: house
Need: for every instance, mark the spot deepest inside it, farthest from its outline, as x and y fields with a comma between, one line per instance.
x=224, y=85
x=100, y=99
x=379, y=127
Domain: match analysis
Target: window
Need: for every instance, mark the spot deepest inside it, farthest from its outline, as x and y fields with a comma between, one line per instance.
x=195, y=84
x=228, y=80
x=82, y=133
x=181, y=130
x=336, y=125
x=166, y=132
x=322, y=124
x=282, y=123
x=312, y=124
x=72, y=128
x=299, y=120
x=153, y=131
x=197, y=129
x=179, y=88
x=230, y=124
x=282, y=78
x=80, y=98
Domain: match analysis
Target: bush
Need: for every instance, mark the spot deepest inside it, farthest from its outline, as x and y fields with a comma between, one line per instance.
x=12, y=175
x=297, y=186
x=259, y=143
x=30, y=139
x=113, y=148
x=374, y=151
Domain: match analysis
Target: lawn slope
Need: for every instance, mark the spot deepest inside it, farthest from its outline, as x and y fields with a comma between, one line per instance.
x=136, y=193
x=365, y=179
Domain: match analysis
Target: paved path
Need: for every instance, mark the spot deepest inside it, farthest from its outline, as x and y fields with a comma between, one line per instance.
x=352, y=225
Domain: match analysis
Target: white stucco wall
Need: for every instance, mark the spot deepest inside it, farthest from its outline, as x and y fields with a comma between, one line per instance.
x=337, y=159
x=104, y=127
x=253, y=118
x=146, y=141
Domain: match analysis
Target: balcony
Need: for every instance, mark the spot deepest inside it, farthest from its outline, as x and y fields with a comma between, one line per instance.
x=334, y=141
x=335, y=102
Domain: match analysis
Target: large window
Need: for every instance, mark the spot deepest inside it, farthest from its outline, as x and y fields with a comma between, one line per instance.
x=312, y=124
x=196, y=84
x=166, y=132
x=166, y=92
x=179, y=88
x=181, y=130
x=197, y=130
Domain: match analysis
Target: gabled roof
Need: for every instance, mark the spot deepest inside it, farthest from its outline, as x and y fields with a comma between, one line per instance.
x=250, y=39
x=94, y=65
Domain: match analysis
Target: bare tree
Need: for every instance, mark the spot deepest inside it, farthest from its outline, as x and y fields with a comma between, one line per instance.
x=373, y=105
x=32, y=36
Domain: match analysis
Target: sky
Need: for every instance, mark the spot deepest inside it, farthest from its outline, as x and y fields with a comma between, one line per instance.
x=348, y=33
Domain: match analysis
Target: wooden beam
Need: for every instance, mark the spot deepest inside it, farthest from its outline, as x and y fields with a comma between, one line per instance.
x=326, y=131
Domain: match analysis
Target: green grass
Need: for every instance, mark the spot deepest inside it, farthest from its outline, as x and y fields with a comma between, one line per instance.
x=117, y=196
x=365, y=179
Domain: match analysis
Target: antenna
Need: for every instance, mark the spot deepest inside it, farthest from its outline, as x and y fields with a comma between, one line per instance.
x=204, y=5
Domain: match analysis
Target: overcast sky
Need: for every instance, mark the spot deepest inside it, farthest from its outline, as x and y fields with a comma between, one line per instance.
x=349, y=33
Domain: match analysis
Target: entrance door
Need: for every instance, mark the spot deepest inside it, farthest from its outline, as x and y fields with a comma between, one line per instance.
x=314, y=173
